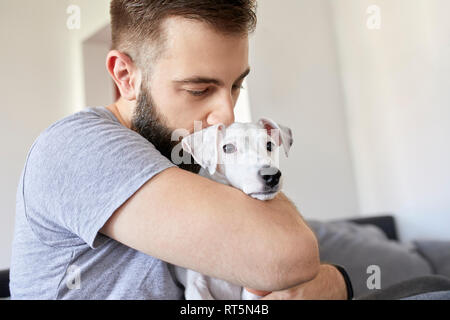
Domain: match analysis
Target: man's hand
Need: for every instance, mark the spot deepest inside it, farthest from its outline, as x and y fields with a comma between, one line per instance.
x=329, y=284
x=258, y=292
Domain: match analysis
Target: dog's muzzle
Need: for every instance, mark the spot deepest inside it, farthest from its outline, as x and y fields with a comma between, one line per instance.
x=270, y=176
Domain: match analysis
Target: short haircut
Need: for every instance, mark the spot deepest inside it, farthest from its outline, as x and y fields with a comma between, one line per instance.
x=136, y=24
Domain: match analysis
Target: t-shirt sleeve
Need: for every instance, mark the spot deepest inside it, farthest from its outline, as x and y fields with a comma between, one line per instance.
x=79, y=172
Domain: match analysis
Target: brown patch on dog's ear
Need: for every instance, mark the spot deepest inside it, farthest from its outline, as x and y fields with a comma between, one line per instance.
x=268, y=127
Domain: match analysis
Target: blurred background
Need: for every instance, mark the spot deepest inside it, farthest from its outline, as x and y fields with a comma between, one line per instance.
x=364, y=85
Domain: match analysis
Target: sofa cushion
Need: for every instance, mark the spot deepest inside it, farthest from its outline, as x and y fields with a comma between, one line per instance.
x=437, y=253
x=357, y=247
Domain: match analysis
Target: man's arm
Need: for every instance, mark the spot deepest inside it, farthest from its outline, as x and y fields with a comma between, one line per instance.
x=329, y=284
x=217, y=230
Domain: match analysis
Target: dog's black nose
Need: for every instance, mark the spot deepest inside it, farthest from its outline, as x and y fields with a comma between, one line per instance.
x=271, y=176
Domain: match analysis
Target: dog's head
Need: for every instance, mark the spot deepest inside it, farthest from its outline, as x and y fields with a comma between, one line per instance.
x=245, y=154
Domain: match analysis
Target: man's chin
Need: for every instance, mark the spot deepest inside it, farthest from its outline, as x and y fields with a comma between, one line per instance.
x=151, y=125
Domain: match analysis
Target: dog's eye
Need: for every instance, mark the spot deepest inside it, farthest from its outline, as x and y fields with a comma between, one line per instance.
x=270, y=146
x=229, y=148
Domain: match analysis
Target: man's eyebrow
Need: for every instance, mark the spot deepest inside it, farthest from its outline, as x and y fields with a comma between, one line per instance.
x=206, y=80
x=243, y=75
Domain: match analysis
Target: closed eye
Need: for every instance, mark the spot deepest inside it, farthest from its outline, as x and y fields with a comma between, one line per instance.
x=198, y=93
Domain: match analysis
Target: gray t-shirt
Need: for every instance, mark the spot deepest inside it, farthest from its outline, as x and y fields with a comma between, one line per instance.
x=77, y=173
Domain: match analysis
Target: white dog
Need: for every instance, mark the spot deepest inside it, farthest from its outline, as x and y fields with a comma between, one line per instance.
x=245, y=156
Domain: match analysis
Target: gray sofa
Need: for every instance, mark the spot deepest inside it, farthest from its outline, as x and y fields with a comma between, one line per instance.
x=358, y=244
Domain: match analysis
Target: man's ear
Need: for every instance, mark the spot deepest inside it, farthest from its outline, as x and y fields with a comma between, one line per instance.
x=124, y=73
x=203, y=146
x=282, y=135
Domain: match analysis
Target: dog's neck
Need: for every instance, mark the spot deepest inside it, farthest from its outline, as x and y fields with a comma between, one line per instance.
x=217, y=176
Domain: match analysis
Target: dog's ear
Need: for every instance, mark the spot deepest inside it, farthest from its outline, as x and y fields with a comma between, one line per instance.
x=282, y=134
x=203, y=146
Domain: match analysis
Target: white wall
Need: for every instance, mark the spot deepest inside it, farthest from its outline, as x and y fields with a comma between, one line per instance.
x=295, y=81
x=396, y=83
x=98, y=85
x=40, y=83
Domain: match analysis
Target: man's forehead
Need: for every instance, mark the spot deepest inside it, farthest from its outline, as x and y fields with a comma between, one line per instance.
x=198, y=49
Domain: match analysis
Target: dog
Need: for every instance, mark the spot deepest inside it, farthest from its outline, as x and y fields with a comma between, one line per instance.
x=244, y=156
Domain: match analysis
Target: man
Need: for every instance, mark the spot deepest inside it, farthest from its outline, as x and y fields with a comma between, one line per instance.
x=101, y=210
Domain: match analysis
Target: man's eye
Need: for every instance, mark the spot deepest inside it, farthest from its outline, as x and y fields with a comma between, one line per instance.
x=229, y=148
x=197, y=93
x=238, y=87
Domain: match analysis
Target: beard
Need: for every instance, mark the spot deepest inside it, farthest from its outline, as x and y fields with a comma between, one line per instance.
x=152, y=126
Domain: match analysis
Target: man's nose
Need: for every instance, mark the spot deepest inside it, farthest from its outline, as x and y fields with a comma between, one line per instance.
x=222, y=112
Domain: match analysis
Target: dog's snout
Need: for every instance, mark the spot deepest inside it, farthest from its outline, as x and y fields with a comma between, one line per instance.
x=271, y=176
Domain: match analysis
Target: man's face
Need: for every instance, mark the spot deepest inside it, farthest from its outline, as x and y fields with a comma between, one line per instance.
x=198, y=78
x=196, y=53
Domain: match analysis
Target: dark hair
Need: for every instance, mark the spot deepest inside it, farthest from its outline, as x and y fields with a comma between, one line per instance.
x=136, y=24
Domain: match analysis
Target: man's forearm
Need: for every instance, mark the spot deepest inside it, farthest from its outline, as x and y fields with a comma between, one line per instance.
x=329, y=284
x=304, y=254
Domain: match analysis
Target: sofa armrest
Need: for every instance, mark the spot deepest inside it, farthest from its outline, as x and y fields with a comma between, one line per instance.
x=4, y=284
